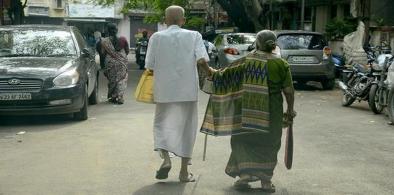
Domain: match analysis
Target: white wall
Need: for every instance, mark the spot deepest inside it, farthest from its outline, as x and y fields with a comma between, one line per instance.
x=124, y=28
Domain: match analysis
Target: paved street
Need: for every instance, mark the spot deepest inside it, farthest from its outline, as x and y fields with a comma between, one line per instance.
x=337, y=151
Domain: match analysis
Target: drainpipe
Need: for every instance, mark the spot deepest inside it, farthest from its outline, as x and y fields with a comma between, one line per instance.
x=2, y=13
x=272, y=15
x=302, y=14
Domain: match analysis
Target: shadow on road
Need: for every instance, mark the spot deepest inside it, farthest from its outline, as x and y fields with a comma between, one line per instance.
x=252, y=191
x=310, y=86
x=162, y=188
x=36, y=120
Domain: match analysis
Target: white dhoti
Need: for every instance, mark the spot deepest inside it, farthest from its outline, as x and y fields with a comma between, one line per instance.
x=175, y=127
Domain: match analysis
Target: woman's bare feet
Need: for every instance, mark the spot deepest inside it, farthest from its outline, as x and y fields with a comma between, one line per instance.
x=186, y=177
x=267, y=186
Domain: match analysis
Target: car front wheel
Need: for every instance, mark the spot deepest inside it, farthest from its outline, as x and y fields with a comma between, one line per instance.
x=93, y=99
x=83, y=113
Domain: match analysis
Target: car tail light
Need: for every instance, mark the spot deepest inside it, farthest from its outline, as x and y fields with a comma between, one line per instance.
x=326, y=53
x=231, y=51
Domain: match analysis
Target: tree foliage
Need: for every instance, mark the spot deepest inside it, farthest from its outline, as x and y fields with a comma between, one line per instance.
x=156, y=9
x=247, y=15
x=339, y=28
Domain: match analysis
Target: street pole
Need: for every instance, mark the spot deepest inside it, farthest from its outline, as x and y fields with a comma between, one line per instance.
x=215, y=15
x=272, y=16
x=2, y=13
x=302, y=14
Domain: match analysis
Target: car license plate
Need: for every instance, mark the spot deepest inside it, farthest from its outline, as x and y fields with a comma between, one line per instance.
x=15, y=96
x=303, y=59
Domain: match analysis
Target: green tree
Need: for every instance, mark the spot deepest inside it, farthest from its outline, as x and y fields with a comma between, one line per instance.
x=157, y=8
x=247, y=15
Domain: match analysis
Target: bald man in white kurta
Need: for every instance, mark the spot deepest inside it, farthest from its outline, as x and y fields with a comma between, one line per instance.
x=173, y=55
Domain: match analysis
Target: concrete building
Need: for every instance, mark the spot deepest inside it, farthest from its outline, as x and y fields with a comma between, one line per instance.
x=89, y=17
x=45, y=12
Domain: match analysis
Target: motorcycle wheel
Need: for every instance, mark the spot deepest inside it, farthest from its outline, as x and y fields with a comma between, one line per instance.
x=390, y=107
x=347, y=100
x=373, y=100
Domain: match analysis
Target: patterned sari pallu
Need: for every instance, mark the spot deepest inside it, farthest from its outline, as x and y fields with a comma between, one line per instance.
x=240, y=100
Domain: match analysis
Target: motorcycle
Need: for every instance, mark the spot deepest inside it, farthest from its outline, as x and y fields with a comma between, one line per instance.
x=379, y=92
x=390, y=82
x=142, y=47
x=356, y=84
x=339, y=63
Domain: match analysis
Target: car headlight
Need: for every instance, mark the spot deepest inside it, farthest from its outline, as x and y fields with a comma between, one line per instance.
x=67, y=78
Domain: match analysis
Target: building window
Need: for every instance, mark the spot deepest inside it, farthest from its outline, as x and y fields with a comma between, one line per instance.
x=59, y=3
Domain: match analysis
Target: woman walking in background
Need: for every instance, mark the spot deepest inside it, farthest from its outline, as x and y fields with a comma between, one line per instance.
x=115, y=50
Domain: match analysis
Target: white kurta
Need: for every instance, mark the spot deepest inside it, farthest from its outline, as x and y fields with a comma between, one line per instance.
x=172, y=55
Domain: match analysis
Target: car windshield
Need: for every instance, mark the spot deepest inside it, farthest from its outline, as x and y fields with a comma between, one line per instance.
x=37, y=43
x=300, y=41
x=240, y=39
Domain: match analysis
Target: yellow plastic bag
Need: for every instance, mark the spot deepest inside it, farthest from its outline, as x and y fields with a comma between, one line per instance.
x=144, y=91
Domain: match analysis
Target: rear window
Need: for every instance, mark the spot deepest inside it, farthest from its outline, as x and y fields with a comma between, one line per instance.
x=240, y=39
x=300, y=41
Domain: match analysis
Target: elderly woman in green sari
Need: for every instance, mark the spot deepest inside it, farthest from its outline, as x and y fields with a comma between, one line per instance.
x=247, y=103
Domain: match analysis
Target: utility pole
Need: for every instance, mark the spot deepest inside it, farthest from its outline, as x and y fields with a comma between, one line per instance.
x=272, y=15
x=2, y=12
x=215, y=14
x=302, y=14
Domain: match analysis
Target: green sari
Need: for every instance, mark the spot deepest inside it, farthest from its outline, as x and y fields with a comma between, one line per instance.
x=254, y=151
x=255, y=154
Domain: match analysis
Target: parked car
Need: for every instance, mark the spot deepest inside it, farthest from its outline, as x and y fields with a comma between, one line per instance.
x=46, y=70
x=309, y=57
x=232, y=47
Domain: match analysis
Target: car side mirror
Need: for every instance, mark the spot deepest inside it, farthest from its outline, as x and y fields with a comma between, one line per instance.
x=86, y=53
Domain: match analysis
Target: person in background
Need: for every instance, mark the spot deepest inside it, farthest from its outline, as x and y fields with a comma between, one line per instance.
x=173, y=55
x=114, y=50
x=142, y=45
x=90, y=39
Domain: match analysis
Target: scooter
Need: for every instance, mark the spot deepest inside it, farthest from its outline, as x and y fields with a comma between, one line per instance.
x=142, y=47
x=339, y=63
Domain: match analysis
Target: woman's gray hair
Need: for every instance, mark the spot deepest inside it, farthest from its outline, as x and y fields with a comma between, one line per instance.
x=266, y=41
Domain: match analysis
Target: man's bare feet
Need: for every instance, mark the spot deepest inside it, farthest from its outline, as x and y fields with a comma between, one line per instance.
x=165, y=168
